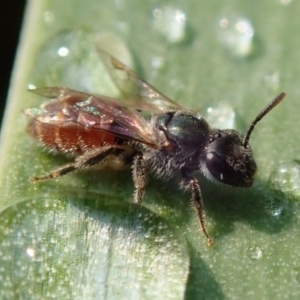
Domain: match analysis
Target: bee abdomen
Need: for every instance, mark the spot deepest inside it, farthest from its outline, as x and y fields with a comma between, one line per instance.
x=69, y=138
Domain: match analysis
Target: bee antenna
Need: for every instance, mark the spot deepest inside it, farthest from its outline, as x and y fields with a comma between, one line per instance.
x=267, y=109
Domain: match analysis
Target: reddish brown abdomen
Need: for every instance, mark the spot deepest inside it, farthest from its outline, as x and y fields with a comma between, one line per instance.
x=69, y=138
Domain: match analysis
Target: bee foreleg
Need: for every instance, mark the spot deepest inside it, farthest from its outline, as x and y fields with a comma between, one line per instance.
x=139, y=174
x=192, y=184
x=86, y=161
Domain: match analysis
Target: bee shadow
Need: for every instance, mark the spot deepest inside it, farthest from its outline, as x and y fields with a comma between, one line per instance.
x=264, y=209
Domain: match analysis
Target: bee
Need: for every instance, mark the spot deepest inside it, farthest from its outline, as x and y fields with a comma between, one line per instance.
x=148, y=131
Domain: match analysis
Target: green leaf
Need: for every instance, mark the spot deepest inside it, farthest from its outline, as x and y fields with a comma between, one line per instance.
x=73, y=247
x=226, y=60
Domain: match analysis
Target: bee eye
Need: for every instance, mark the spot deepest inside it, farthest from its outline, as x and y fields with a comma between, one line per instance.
x=227, y=173
x=221, y=170
x=236, y=172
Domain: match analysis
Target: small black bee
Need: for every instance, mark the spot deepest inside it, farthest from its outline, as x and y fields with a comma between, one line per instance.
x=150, y=132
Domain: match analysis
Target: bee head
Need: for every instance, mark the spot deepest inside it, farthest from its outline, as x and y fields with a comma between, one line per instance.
x=228, y=155
x=228, y=160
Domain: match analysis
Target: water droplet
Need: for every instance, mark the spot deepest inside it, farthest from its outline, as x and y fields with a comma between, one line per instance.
x=272, y=80
x=49, y=17
x=177, y=85
x=297, y=274
x=147, y=235
x=63, y=51
x=255, y=252
x=274, y=207
x=31, y=87
x=236, y=34
x=285, y=2
x=71, y=59
x=170, y=23
x=119, y=4
x=121, y=26
x=30, y=252
x=286, y=178
x=157, y=62
x=221, y=116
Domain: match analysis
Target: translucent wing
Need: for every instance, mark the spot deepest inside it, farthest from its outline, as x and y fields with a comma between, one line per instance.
x=92, y=112
x=131, y=85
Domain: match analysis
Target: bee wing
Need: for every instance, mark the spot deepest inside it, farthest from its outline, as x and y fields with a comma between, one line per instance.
x=92, y=112
x=131, y=85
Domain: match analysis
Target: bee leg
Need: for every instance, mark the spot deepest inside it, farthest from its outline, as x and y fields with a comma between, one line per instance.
x=84, y=162
x=68, y=168
x=139, y=174
x=192, y=184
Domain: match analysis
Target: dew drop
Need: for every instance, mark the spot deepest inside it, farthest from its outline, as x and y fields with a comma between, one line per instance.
x=49, y=17
x=221, y=116
x=274, y=207
x=285, y=2
x=297, y=274
x=31, y=87
x=120, y=4
x=286, y=178
x=121, y=26
x=70, y=59
x=272, y=80
x=30, y=252
x=147, y=235
x=170, y=23
x=157, y=62
x=63, y=51
x=176, y=84
x=255, y=252
x=236, y=35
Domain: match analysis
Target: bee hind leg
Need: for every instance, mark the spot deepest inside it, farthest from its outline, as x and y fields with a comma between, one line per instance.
x=68, y=168
x=92, y=159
